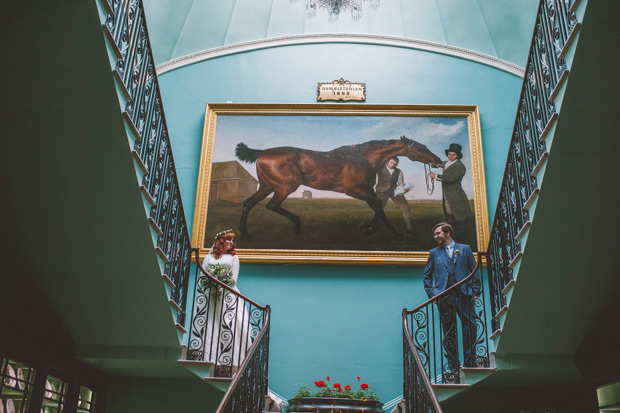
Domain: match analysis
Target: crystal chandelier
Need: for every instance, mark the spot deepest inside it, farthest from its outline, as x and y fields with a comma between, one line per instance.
x=334, y=7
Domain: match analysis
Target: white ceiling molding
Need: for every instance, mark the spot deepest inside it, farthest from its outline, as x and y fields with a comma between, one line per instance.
x=341, y=38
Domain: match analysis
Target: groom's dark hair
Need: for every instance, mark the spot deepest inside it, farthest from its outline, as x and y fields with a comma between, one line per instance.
x=445, y=227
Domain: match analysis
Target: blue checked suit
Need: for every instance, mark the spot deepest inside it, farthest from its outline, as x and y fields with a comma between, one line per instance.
x=437, y=278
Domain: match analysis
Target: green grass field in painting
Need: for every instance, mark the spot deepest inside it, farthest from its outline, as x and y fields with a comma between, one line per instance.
x=330, y=224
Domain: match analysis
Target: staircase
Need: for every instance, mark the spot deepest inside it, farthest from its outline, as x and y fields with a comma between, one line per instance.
x=549, y=277
x=92, y=214
x=75, y=222
x=228, y=331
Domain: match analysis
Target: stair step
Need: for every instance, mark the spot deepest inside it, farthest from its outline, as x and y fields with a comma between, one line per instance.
x=495, y=338
x=508, y=287
x=468, y=370
x=195, y=363
x=151, y=201
x=180, y=328
x=162, y=255
x=273, y=405
x=515, y=260
x=175, y=306
x=472, y=375
x=221, y=383
x=502, y=312
x=550, y=123
x=495, y=334
x=524, y=230
x=155, y=227
x=533, y=197
x=199, y=367
x=446, y=391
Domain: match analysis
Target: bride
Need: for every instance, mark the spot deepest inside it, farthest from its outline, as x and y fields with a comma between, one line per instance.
x=228, y=336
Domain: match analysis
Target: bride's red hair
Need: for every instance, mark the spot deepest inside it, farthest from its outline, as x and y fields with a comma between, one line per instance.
x=218, y=246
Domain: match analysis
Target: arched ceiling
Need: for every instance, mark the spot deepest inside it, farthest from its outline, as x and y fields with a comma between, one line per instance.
x=497, y=28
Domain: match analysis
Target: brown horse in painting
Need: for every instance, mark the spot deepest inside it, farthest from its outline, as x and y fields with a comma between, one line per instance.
x=351, y=170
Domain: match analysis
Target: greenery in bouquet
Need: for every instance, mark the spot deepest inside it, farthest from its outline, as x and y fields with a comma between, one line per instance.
x=220, y=272
x=324, y=389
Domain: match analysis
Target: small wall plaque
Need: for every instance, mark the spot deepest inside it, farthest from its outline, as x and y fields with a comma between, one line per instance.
x=341, y=90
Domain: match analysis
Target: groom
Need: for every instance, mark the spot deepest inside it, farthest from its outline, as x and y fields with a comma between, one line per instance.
x=448, y=264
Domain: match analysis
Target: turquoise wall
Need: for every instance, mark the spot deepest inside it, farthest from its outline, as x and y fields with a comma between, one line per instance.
x=341, y=321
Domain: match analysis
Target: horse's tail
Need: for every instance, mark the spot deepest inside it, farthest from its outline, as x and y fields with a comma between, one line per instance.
x=246, y=154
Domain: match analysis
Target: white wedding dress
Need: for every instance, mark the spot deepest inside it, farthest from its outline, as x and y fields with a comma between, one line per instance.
x=228, y=335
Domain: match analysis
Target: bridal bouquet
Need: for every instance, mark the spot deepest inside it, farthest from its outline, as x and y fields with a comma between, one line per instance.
x=220, y=272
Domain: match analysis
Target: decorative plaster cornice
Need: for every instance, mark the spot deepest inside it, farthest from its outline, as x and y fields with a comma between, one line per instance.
x=340, y=38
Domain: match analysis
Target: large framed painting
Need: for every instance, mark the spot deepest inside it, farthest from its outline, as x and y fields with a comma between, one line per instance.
x=340, y=183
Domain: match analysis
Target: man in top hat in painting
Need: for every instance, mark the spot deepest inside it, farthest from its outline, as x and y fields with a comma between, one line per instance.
x=455, y=202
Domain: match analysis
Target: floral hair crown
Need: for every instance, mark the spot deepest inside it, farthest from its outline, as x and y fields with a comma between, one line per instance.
x=219, y=234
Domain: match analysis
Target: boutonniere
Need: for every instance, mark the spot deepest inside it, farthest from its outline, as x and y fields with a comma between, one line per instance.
x=457, y=252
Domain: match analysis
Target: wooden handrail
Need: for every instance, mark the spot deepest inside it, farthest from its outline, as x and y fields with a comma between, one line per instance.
x=243, y=366
x=427, y=381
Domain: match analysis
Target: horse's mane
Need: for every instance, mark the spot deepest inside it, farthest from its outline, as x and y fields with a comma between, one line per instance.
x=364, y=147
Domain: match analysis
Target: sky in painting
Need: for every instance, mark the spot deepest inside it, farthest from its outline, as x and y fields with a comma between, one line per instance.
x=324, y=133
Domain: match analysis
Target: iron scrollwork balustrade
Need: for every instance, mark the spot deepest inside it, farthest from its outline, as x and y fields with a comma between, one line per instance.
x=224, y=323
x=248, y=389
x=545, y=67
x=135, y=71
x=450, y=331
x=418, y=394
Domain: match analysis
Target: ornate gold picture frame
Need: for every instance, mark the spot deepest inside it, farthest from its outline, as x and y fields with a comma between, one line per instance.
x=297, y=182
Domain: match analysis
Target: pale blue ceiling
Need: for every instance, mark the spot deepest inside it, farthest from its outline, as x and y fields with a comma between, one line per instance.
x=499, y=28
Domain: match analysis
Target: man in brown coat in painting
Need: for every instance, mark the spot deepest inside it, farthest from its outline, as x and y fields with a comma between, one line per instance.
x=455, y=202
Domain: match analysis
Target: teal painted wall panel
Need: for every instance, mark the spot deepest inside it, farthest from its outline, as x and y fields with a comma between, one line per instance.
x=505, y=25
x=254, y=16
x=423, y=21
x=342, y=321
x=286, y=18
x=206, y=25
x=160, y=16
x=335, y=321
x=459, y=18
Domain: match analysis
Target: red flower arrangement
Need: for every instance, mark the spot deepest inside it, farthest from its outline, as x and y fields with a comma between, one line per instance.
x=324, y=390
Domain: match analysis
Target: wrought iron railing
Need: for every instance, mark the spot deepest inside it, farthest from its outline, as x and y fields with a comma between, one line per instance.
x=248, y=389
x=434, y=346
x=418, y=393
x=224, y=324
x=126, y=30
x=450, y=330
x=555, y=25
